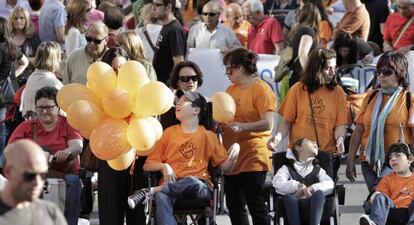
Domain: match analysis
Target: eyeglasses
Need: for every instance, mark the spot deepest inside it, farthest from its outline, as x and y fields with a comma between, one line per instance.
x=48, y=108
x=185, y=79
x=229, y=69
x=209, y=14
x=96, y=41
x=385, y=72
x=29, y=177
x=154, y=4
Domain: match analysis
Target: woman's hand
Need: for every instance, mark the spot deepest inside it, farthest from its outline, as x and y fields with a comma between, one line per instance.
x=169, y=174
x=340, y=147
x=274, y=141
x=62, y=156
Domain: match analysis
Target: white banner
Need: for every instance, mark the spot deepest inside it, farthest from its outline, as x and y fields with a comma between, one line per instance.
x=215, y=79
x=410, y=58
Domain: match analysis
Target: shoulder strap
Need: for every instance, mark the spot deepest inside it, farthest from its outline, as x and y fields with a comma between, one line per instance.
x=313, y=118
x=144, y=29
x=408, y=100
x=314, y=172
x=406, y=25
x=293, y=173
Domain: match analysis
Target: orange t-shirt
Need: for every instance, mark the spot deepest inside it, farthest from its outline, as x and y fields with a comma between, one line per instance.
x=189, y=13
x=325, y=32
x=356, y=23
x=392, y=124
x=399, y=189
x=241, y=32
x=189, y=154
x=329, y=108
x=251, y=102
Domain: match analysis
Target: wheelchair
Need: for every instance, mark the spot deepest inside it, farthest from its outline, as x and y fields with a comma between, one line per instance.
x=194, y=211
x=331, y=209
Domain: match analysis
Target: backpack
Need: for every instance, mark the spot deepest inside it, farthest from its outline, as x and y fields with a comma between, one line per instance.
x=283, y=69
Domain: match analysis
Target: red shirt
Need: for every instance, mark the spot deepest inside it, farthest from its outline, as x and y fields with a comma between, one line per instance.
x=394, y=24
x=55, y=140
x=262, y=38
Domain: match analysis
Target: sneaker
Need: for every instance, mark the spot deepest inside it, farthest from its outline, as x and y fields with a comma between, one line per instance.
x=365, y=220
x=140, y=196
x=82, y=221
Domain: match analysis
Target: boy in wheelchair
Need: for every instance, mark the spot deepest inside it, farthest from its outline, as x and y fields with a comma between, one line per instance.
x=182, y=155
x=301, y=182
x=396, y=190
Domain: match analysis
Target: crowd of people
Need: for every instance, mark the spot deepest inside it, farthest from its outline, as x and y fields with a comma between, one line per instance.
x=46, y=44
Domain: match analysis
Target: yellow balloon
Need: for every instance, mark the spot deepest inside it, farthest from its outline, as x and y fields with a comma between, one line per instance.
x=156, y=125
x=224, y=107
x=84, y=115
x=141, y=134
x=86, y=133
x=109, y=139
x=101, y=78
x=123, y=161
x=132, y=76
x=117, y=103
x=70, y=93
x=155, y=98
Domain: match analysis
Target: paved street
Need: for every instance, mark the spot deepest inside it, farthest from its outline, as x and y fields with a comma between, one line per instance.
x=350, y=212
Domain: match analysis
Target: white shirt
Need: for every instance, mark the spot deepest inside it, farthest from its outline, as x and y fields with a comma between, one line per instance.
x=221, y=37
x=153, y=31
x=74, y=40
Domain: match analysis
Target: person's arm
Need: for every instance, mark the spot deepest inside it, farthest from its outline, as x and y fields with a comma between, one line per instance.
x=325, y=184
x=305, y=45
x=60, y=34
x=282, y=183
x=282, y=131
x=74, y=148
x=340, y=132
x=229, y=163
x=22, y=63
x=165, y=168
x=264, y=124
x=353, y=148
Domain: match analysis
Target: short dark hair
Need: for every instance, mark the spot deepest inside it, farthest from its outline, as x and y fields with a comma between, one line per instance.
x=46, y=92
x=398, y=63
x=112, y=53
x=242, y=57
x=297, y=144
x=399, y=148
x=113, y=18
x=174, y=76
x=206, y=113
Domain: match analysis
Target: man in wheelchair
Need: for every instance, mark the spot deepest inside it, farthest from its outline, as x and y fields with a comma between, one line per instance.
x=301, y=182
x=394, y=191
x=183, y=155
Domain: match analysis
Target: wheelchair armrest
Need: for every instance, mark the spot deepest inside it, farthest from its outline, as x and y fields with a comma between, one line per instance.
x=217, y=176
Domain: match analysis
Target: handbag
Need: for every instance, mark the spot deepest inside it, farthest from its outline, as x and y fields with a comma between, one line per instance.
x=8, y=88
x=88, y=160
x=283, y=69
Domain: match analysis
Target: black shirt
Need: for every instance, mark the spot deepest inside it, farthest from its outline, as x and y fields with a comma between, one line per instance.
x=171, y=42
x=378, y=13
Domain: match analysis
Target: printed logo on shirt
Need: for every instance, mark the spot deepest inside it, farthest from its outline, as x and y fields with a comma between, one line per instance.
x=159, y=40
x=188, y=150
x=318, y=105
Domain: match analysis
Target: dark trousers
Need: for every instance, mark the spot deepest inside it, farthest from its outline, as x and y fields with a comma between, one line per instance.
x=315, y=205
x=114, y=187
x=246, y=188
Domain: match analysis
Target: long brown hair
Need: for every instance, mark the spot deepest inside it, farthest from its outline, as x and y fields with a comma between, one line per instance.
x=76, y=9
x=6, y=40
x=309, y=16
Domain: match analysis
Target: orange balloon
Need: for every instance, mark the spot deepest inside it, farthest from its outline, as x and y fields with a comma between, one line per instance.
x=109, y=139
x=123, y=161
x=70, y=93
x=141, y=134
x=101, y=78
x=84, y=115
x=156, y=125
x=117, y=103
x=145, y=152
x=155, y=98
x=224, y=107
x=132, y=76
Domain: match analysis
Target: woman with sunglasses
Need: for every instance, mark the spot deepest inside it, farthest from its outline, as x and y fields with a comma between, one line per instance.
x=47, y=64
x=252, y=126
x=384, y=112
x=78, y=13
x=186, y=76
x=52, y=131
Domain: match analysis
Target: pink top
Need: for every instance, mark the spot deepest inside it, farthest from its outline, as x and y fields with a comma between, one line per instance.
x=95, y=15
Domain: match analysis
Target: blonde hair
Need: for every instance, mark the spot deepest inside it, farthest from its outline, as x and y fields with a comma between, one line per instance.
x=28, y=27
x=132, y=43
x=76, y=10
x=48, y=56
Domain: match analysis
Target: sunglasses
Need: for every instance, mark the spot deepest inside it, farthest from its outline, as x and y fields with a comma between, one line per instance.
x=48, y=108
x=29, y=177
x=185, y=79
x=385, y=72
x=96, y=41
x=209, y=14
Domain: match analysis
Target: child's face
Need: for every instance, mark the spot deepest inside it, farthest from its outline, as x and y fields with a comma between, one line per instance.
x=184, y=108
x=310, y=148
x=399, y=162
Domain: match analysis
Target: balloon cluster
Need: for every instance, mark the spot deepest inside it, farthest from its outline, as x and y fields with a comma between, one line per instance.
x=115, y=112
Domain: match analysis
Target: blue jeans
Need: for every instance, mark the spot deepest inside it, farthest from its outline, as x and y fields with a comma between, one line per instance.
x=317, y=202
x=186, y=188
x=72, y=201
x=381, y=207
x=3, y=134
